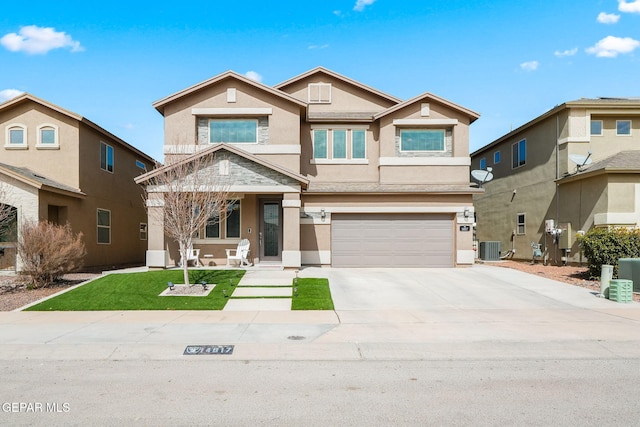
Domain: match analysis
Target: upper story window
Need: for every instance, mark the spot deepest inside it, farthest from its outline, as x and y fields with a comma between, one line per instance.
x=339, y=144
x=240, y=131
x=596, y=127
x=106, y=157
x=519, y=154
x=16, y=136
x=483, y=163
x=141, y=165
x=496, y=157
x=47, y=136
x=319, y=93
x=422, y=140
x=623, y=127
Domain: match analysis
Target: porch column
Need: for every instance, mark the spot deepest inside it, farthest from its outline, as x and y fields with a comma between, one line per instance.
x=157, y=255
x=291, y=257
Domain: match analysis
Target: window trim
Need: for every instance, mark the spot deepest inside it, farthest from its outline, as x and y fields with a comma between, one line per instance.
x=229, y=119
x=601, y=127
x=522, y=224
x=630, y=127
x=523, y=162
x=106, y=160
x=444, y=139
x=99, y=226
x=349, y=133
x=7, y=142
x=222, y=225
x=497, y=157
x=56, y=141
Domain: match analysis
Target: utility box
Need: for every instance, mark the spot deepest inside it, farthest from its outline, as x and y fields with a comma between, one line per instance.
x=621, y=290
x=490, y=251
x=629, y=268
x=566, y=239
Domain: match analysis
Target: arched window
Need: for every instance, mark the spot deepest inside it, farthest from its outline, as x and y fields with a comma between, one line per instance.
x=47, y=136
x=16, y=136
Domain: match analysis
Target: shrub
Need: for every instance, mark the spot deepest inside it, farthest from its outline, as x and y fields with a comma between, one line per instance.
x=48, y=251
x=606, y=246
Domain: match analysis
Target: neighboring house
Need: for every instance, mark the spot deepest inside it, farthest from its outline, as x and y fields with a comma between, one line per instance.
x=327, y=171
x=571, y=169
x=58, y=166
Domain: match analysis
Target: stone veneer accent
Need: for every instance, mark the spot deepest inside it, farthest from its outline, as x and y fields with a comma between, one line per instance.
x=263, y=129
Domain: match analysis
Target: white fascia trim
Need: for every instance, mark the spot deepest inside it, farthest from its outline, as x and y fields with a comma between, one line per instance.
x=339, y=162
x=291, y=203
x=231, y=111
x=576, y=139
x=316, y=257
x=425, y=161
x=425, y=122
x=615, y=218
x=293, y=149
x=386, y=209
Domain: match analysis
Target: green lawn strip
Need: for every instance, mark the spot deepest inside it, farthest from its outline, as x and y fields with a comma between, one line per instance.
x=313, y=294
x=140, y=291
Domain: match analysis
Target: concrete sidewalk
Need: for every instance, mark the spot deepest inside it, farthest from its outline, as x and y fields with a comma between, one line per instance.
x=381, y=314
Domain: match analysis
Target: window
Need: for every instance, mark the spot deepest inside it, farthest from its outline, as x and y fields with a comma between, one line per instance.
x=320, y=144
x=241, y=131
x=106, y=157
x=422, y=140
x=519, y=154
x=143, y=231
x=596, y=127
x=104, y=226
x=339, y=144
x=320, y=93
x=623, y=127
x=16, y=136
x=483, y=163
x=47, y=136
x=230, y=223
x=520, y=223
x=496, y=157
x=141, y=165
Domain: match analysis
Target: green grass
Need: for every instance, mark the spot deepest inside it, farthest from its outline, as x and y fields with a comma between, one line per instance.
x=140, y=291
x=313, y=294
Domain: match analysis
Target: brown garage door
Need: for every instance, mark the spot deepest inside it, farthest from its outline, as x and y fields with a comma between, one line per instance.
x=391, y=240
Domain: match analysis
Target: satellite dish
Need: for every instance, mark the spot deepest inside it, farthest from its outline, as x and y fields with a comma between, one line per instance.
x=581, y=160
x=482, y=176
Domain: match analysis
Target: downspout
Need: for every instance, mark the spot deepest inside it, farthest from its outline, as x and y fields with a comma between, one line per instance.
x=557, y=185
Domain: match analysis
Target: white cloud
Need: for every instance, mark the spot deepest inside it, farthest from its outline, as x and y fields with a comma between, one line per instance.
x=530, y=66
x=361, y=4
x=629, y=7
x=337, y=12
x=39, y=40
x=8, y=94
x=316, y=46
x=568, y=52
x=608, y=18
x=610, y=46
x=254, y=76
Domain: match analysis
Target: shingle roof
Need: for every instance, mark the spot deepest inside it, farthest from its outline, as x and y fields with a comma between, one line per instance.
x=34, y=177
x=622, y=162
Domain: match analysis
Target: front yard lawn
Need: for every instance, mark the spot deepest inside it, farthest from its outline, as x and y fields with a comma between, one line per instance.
x=140, y=291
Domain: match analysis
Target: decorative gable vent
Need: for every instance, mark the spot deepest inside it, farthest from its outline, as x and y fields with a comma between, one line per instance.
x=319, y=93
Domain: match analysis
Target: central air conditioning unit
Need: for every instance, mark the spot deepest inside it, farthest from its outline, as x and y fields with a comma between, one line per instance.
x=490, y=251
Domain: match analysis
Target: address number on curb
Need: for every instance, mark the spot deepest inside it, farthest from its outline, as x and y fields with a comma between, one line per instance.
x=208, y=349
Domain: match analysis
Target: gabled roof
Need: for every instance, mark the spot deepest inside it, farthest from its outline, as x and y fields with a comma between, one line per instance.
x=223, y=147
x=335, y=75
x=161, y=103
x=39, y=182
x=622, y=162
x=26, y=97
x=430, y=97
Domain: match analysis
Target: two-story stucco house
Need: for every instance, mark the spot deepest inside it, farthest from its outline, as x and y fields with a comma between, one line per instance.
x=58, y=166
x=573, y=168
x=327, y=171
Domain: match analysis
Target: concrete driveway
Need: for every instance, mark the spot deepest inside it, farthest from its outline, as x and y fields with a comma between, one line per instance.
x=478, y=287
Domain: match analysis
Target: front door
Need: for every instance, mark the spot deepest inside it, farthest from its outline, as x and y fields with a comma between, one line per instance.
x=270, y=239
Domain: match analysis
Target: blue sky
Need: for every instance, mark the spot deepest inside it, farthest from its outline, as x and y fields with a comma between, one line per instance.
x=508, y=60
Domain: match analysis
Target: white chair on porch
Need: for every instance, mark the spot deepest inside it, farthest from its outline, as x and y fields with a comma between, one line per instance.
x=193, y=255
x=240, y=254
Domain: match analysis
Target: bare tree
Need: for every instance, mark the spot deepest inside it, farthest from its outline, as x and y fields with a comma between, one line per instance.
x=194, y=192
x=7, y=214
